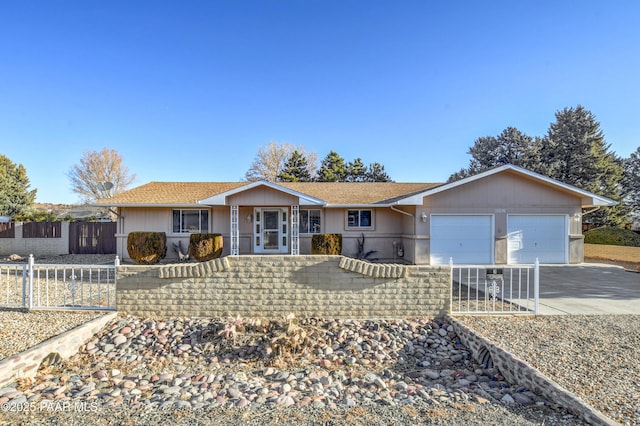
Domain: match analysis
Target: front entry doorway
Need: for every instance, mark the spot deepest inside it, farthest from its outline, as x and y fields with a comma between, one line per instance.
x=270, y=230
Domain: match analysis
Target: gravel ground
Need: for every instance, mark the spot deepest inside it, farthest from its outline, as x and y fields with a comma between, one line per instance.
x=459, y=414
x=593, y=356
x=21, y=330
x=445, y=411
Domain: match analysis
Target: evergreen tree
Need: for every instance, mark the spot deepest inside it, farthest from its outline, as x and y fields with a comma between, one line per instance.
x=295, y=169
x=631, y=184
x=575, y=152
x=509, y=147
x=15, y=196
x=376, y=173
x=332, y=169
x=356, y=171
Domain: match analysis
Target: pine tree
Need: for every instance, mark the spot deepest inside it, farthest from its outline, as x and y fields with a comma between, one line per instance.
x=356, y=171
x=509, y=147
x=575, y=152
x=376, y=173
x=631, y=184
x=295, y=169
x=15, y=196
x=332, y=169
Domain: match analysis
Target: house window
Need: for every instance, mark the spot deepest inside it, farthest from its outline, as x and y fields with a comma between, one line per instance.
x=190, y=221
x=359, y=219
x=309, y=222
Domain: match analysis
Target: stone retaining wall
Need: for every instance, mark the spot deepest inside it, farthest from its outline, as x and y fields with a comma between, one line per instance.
x=517, y=371
x=275, y=286
x=25, y=364
x=603, y=251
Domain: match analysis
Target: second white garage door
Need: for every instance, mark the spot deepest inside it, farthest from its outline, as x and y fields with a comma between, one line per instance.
x=535, y=236
x=468, y=239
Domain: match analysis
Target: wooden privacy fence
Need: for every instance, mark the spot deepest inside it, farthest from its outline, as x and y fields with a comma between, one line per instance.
x=55, y=238
x=92, y=237
x=41, y=230
x=7, y=230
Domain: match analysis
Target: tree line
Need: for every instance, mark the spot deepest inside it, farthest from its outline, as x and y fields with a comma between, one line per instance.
x=573, y=151
x=287, y=163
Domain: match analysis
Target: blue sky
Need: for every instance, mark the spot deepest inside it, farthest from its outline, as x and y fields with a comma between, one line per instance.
x=189, y=90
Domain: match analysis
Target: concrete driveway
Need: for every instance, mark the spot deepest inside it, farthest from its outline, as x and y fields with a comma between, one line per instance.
x=588, y=289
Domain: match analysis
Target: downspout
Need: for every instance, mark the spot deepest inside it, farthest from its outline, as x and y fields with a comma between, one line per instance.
x=400, y=250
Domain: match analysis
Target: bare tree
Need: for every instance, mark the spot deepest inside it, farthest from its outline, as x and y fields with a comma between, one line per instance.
x=271, y=158
x=100, y=175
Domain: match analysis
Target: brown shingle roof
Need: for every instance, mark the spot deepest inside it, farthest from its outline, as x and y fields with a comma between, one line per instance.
x=187, y=193
x=356, y=192
x=171, y=193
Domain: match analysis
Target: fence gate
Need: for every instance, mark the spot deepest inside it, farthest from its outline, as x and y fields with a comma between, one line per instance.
x=495, y=289
x=92, y=237
x=53, y=286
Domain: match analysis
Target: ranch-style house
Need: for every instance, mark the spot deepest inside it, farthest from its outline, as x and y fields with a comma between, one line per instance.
x=507, y=215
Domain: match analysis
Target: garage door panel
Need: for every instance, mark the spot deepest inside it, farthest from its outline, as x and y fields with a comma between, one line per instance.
x=466, y=239
x=532, y=237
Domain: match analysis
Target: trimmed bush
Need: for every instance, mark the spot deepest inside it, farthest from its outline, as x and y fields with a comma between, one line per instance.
x=326, y=244
x=205, y=247
x=612, y=236
x=147, y=248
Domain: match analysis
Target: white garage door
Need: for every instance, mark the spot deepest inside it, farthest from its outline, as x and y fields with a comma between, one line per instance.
x=466, y=239
x=541, y=237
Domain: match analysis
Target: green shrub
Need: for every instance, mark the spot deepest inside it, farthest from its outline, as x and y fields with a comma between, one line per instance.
x=612, y=236
x=147, y=248
x=326, y=244
x=205, y=247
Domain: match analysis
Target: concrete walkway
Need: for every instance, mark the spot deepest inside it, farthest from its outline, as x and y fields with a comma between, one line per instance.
x=588, y=289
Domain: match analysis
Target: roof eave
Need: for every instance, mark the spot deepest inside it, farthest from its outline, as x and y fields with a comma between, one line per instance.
x=358, y=206
x=173, y=205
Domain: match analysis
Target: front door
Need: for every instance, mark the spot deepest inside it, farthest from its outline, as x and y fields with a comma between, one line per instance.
x=270, y=230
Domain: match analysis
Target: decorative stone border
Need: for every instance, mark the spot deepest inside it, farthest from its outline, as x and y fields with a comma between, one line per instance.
x=373, y=270
x=194, y=270
x=517, y=371
x=25, y=364
x=203, y=269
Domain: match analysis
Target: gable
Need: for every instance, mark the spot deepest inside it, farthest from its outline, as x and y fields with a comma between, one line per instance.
x=262, y=196
x=504, y=190
x=587, y=199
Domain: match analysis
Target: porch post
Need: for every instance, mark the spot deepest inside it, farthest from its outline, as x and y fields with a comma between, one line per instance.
x=235, y=233
x=295, y=238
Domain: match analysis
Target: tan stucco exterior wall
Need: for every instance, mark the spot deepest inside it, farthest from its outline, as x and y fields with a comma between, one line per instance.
x=501, y=195
x=497, y=195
